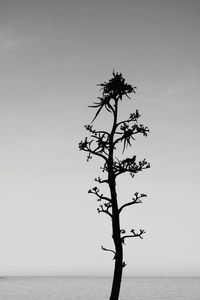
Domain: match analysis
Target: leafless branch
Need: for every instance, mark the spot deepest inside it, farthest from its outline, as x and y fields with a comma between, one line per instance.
x=89, y=128
x=105, y=249
x=99, y=180
x=104, y=208
x=133, y=118
x=130, y=165
x=95, y=191
x=134, y=234
x=95, y=153
x=135, y=200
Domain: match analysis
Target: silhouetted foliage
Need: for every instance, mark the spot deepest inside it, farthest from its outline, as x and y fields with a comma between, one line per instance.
x=104, y=144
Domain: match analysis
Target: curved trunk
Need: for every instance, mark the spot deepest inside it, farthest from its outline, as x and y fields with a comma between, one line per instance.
x=117, y=277
x=116, y=284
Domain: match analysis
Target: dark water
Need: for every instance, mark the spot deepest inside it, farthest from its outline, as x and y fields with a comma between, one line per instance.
x=98, y=288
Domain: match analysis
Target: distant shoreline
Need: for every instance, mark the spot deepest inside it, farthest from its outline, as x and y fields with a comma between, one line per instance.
x=96, y=276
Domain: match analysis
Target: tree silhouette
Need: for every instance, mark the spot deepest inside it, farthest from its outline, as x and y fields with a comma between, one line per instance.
x=106, y=145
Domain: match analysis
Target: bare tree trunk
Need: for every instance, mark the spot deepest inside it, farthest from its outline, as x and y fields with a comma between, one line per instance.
x=117, y=277
x=116, y=284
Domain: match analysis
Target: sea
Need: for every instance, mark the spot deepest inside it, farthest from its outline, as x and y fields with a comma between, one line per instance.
x=98, y=288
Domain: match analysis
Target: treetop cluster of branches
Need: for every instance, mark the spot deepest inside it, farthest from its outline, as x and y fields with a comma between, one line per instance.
x=124, y=131
x=114, y=89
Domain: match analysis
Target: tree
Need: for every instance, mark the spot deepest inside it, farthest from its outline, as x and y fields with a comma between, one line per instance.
x=106, y=145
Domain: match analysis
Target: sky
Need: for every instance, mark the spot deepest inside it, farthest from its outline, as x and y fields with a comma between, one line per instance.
x=52, y=56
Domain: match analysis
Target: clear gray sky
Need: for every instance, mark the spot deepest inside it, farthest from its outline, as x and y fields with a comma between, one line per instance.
x=52, y=55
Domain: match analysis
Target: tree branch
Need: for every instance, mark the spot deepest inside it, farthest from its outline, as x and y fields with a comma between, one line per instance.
x=127, y=132
x=133, y=118
x=102, y=143
x=93, y=152
x=134, y=234
x=105, y=249
x=95, y=191
x=99, y=180
x=135, y=200
x=89, y=128
x=129, y=165
x=104, y=208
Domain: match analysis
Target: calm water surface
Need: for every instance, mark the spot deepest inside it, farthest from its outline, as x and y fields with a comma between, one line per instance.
x=98, y=288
